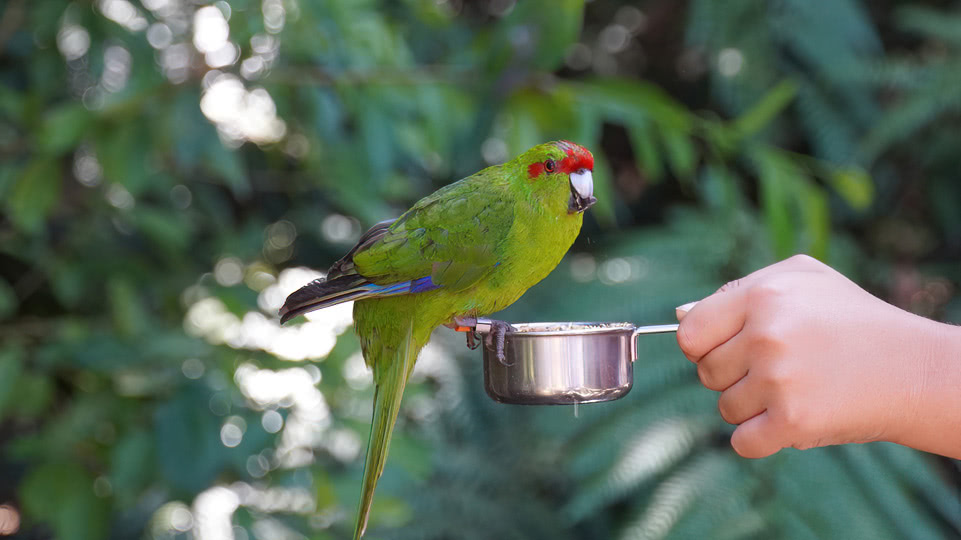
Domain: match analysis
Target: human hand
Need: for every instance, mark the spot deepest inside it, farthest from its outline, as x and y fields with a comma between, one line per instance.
x=803, y=357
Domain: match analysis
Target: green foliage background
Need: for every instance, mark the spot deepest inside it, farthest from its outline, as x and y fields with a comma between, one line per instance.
x=149, y=205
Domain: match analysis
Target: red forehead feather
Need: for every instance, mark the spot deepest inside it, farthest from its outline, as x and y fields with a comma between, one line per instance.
x=577, y=158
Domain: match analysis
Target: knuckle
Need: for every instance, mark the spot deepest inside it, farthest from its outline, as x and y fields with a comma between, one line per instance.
x=776, y=376
x=766, y=291
x=730, y=286
x=724, y=408
x=802, y=259
x=767, y=342
x=793, y=417
x=708, y=376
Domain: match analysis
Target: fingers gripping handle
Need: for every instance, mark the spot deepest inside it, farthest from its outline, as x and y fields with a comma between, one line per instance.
x=653, y=329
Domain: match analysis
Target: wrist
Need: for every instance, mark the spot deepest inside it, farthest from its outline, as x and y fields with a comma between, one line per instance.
x=930, y=415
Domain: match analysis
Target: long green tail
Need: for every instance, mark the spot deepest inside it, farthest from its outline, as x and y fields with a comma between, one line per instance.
x=390, y=378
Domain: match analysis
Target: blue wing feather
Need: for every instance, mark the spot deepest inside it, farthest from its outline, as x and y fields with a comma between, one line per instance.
x=322, y=293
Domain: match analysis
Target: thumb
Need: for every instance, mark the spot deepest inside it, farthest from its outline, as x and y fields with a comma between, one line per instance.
x=681, y=311
x=712, y=321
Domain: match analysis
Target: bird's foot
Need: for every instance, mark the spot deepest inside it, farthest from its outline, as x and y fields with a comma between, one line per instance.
x=468, y=325
x=495, y=340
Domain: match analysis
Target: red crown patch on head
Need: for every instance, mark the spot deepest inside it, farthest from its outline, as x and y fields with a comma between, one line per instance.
x=577, y=158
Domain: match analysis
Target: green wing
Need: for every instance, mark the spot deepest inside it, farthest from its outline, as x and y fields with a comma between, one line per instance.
x=455, y=236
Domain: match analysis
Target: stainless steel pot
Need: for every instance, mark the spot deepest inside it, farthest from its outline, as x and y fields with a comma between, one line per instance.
x=564, y=363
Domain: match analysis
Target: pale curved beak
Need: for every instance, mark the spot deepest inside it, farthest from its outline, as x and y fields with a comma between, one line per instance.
x=582, y=191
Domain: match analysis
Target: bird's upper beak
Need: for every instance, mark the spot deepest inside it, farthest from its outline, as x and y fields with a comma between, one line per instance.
x=582, y=191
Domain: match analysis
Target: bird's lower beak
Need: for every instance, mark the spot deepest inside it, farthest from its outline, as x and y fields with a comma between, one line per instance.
x=582, y=191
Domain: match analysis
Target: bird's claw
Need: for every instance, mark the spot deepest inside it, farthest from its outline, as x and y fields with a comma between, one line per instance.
x=495, y=340
x=472, y=340
x=468, y=325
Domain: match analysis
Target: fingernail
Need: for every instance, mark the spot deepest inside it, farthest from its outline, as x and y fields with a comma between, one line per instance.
x=681, y=311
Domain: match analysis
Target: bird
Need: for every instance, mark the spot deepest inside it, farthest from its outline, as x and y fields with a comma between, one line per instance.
x=467, y=250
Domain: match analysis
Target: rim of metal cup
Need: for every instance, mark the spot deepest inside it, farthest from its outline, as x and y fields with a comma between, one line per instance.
x=568, y=328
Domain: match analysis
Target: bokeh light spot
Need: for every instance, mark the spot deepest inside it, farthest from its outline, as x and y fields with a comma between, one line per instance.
x=159, y=36
x=119, y=197
x=73, y=41
x=583, y=267
x=339, y=229
x=281, y=234
x=229, y=271
x=494, y=151
x=181, y=197
x=102, y=487
x=193, y=368
x=730, y=61
x=210, y=29
x=614, y=38
x=232, y=432
x=272, y=421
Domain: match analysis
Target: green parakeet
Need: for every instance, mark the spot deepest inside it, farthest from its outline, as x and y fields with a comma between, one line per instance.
x=467, y=250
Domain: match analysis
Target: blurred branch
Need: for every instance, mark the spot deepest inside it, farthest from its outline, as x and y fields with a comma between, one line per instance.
x=10, y=21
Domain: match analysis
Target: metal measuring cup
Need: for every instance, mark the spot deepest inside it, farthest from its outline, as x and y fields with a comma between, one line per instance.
x=564, y=362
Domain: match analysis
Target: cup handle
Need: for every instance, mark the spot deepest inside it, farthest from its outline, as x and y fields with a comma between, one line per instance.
x=653, y=329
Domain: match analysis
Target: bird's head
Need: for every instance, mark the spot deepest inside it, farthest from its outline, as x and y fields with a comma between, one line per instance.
x=556, y=168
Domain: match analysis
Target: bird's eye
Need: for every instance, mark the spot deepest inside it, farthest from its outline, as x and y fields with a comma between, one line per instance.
x=549, y=165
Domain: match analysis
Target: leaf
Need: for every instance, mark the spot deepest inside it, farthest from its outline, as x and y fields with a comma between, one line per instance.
x=763, y=113
x=62, y=128
x=8, y=175
x=32, y=395
x=603, y=210
x=189, y=130
x=930, y=23
x=122, y=150
x=550, y=35
x=795, y=208
x=681, y=154
x=35, y=194
x=817, y=220
x=11, y=365
x=61, y=494
x=12, y=103
x=229, y=166
x=8, y=299
x=128, y=316
x=854, y=185
x=624, y=100
x=917, y=110
x=131, y=466
x=166, y=230
x=645, y=151
x=69, y=284
x=775, y=180
x=526, y=130
x=187, y=441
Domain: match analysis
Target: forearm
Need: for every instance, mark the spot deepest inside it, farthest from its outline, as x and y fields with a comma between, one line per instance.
x=935, y=424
